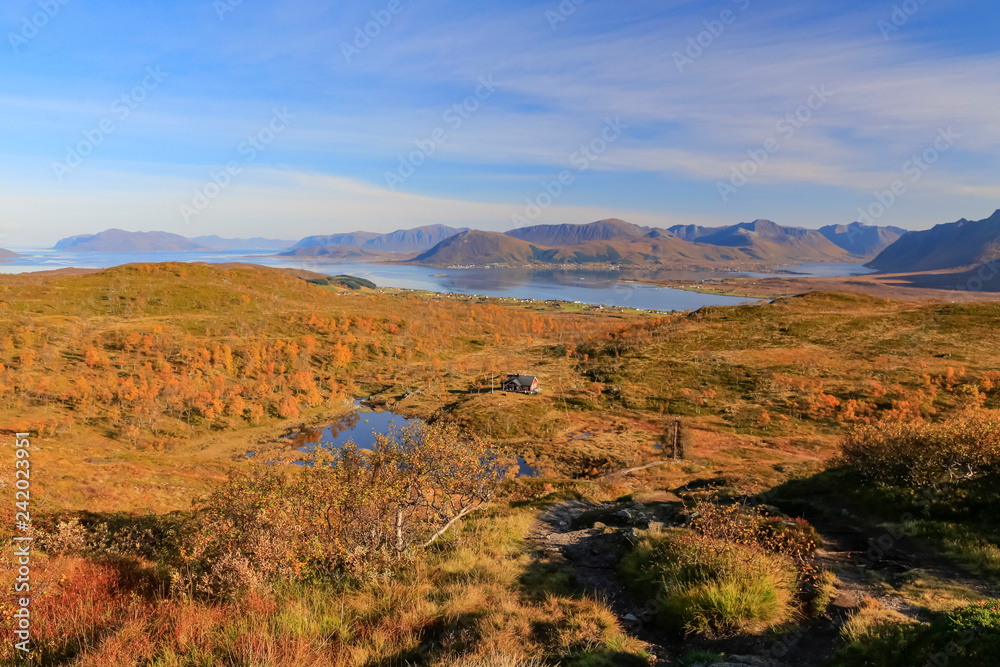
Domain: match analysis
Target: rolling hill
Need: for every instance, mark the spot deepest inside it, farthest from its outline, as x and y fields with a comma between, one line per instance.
x=955, y=245
x=120, y=241
x=8, y=254
x=860, y=239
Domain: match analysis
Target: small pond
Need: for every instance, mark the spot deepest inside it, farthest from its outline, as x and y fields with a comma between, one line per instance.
x=361, y=427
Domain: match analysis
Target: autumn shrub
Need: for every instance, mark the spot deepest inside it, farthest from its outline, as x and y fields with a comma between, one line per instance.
x=925, y=454
x=116, y=537
x=351, y=513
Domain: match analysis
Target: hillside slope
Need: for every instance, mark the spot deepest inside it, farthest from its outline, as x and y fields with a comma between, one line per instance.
x=569, y=235
x=478, y=247
x=954, y=245
x=412, y=240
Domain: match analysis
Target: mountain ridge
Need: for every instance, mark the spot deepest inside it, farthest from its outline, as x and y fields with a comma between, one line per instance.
x=862, y=240
x=954, y=245
x=767, y=241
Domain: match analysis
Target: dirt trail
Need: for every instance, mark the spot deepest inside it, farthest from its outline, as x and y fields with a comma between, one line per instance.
x=594, y=554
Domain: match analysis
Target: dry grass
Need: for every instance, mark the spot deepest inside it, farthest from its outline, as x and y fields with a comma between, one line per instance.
x=925, y=590
x=871, y=620
x=707, y=586
x=462, y=601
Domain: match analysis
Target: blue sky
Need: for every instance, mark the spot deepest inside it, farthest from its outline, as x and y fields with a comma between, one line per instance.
x=118, y=114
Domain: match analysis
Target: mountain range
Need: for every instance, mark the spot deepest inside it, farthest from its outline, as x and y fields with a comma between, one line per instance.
x=605, y=241
x=961, y=244
x=743, y=245
x=746, y=245
x=121, y=241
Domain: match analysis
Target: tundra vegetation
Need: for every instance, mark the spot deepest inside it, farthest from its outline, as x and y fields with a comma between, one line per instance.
x=160, y=541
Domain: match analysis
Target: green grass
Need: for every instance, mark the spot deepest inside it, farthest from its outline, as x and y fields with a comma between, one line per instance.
x=350, y=282
x=962, y=543
x=704, y=586
x=969, y=637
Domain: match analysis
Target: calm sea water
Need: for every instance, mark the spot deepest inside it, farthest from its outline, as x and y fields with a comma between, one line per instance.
x=828, y=270
x=590, y=287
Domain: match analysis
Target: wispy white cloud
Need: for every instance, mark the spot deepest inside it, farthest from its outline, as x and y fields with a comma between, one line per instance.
x=555, y=90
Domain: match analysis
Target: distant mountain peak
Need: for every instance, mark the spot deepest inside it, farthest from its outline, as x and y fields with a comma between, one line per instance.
x=862, y=240
x=954, y=245
x=767, y=241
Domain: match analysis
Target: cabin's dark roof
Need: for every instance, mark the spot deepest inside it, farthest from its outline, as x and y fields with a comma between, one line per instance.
x=523, y=380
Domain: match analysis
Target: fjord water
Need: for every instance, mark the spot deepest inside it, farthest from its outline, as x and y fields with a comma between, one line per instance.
x=590, y=287
x=622, y=287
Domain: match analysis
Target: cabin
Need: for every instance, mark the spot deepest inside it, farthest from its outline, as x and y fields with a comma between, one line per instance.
x=520, y=384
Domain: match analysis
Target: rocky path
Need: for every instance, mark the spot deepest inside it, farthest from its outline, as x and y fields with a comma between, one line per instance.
x=567, y=533
x=591, y=538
